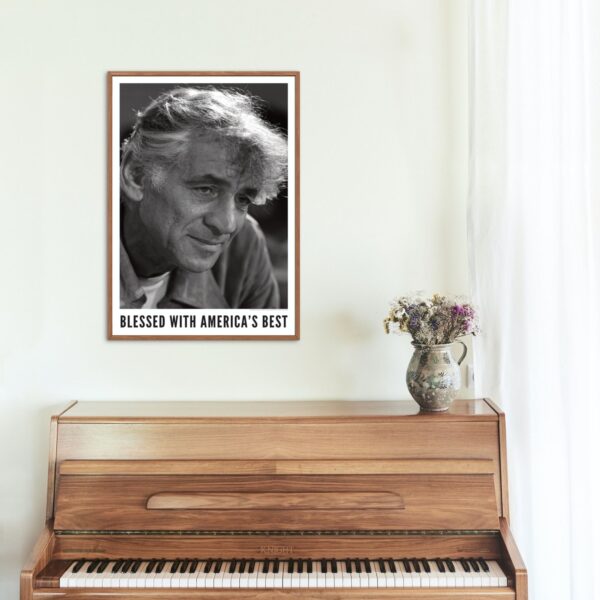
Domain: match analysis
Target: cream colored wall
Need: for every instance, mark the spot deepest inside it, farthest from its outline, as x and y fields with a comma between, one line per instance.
x=384, y=104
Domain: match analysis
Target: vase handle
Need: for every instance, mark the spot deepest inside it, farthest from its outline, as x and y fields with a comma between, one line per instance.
x=464, y=352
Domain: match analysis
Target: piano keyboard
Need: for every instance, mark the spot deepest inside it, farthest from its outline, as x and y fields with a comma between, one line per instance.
x=284, y=573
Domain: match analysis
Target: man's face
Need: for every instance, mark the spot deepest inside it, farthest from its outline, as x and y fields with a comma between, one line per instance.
x=199, y=205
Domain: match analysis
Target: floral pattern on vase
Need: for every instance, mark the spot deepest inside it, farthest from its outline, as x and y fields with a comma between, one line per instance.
x=433, y=376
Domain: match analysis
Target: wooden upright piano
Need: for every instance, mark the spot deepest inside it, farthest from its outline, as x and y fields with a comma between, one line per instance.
x=276, y=500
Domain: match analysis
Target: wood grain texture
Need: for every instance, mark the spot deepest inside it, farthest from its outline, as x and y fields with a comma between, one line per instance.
x=278, y=467
x=512, y=557
x=273, y=546
x=116, y=503
x=338, y=500
x=401, y=438
x=39, y=557
x=312, y=411
x=52, y=466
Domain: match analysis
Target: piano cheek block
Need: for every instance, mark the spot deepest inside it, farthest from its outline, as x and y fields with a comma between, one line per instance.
x=197, y=495
x=340, y=500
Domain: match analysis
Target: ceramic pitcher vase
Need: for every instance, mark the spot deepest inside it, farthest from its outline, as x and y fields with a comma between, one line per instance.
x=433, y=376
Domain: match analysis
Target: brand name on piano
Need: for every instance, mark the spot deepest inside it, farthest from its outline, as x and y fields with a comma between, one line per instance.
x=275, y=550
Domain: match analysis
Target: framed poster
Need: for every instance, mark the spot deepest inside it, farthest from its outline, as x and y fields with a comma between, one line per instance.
x=203, y=207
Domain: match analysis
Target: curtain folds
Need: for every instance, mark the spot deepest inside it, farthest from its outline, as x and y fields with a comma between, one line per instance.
x=534, y=234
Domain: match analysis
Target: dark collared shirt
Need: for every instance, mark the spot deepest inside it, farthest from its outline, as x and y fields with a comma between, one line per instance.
x=241, y=278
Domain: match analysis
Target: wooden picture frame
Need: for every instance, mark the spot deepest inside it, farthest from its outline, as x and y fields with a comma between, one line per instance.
x=204, y=205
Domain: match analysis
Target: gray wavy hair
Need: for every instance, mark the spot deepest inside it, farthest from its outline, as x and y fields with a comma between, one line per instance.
x=163, y=128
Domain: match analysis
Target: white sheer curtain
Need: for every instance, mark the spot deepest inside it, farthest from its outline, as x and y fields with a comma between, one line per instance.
x=534, y=236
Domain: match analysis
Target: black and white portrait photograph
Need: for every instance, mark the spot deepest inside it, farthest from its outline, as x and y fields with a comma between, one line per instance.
x=203, y=205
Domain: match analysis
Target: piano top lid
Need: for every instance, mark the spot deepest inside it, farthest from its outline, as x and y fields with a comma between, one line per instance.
x=261, y=411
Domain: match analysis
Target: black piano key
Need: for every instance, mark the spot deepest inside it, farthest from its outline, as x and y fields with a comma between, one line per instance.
x=416, y=565
x=175, y=565
x=218, y=565
x=251, y=565
x=126, y=565
x=392, y=565
x=474, y=564
x=324, y=568
x=348, y=565
x=407, y=566
x=150, y=566
x=208, y=565
x=426, y=566
x=117, y=565
x=300, y=566
x=357, y=566
x=265, y=568
x=276, y=565
x=136, y=565
x=465, y=565
x=367, y=563
x=232, y=565
x=382, y=565
x=334, y=567
x=440, y=565
x=92, y=566
x=160, y=565
x=102, y=566
x=309, y=566
x=193, y=566
x=450, y=565
x=185, y=563
x=483, y=564
x=79, y=564
x=290, y=565
x=242, y=565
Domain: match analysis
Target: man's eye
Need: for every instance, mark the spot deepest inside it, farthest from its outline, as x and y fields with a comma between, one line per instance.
x=210, y=191
x=244, y=200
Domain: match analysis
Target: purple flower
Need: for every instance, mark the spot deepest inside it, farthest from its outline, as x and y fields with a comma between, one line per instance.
x=458, y=310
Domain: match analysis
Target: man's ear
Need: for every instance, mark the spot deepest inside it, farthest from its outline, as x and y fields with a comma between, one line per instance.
x=131, y=179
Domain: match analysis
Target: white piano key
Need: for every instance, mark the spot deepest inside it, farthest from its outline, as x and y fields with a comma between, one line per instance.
x=379, y=574
x=164, y=578
x=278, y=577
x=225, y=575
x=252, y=577
x=243, y=583
x=398, y=577
x=339, y=579
x=320, y=574
x=389, y=576
x=312, y=577
x=209, y=578
x=106, y=575
x=303, y=577
x=286, y=577
x=64, y=580
x=371, y=576
x=500, y=577
x=441, y=577
x=476, y=580
x=261, y=578
x=150, y=577
x=235, y=576
x=432, y=576
x=218, y=576
x=188, y=580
